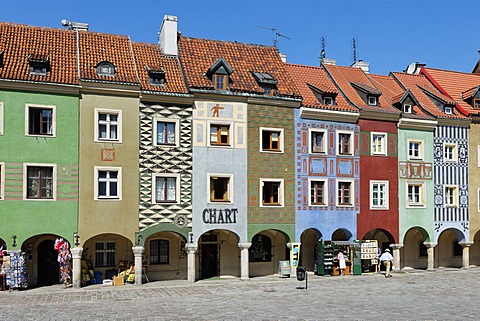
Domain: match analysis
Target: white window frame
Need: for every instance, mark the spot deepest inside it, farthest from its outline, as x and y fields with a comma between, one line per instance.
x=310, y=141
x=281, y=193
x=1, y=118
x=386, y=195
x=352, y=192
x=27, y=119
x=98, y=169
x=229, y=188
x=350, y=143
x=422, y=194
x=119, y=125
x=154, y=188
x=325, y=192
x=372, y=100
x=25, y=182
x=454, y=156
x=230, y=134
x=420, y=149
x=329, y=101
x=2, y=181
x=280, y=139
x=407, y=108
x=454, y=202
x=448, y=110
x=383, y=145
x=166, y=120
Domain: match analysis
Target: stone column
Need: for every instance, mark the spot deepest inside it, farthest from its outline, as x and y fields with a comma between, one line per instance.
x=466, y=254
x=191, y=249
x=244, y=274
x=138, y=253
x=396, y=256
x=430, y=254
x=77, y=267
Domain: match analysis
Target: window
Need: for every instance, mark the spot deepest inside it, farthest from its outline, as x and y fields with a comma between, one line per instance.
x=317, y=141
x=105, y=254
x=219, y=135
x=108, y=125
x=1, y=118
x=159, y=252
x=407, y=108
x=318, y=192
x=39, y=64
x=268, y=91
x=109, y=183
x=105, y=68
x=166, y=188
x=379, y=195
x=372, y=100
x=40, y=181
x=344, y=193
x=40, y=120
x=457, y=249
x=476, y=103
x=422, y=250
x=271, y=192
x=329, y=101
x=450, y=196
x=344, y=143
x=271, y=139
x=448, y=110
x=450, y=152
x=261, y=249
x=166, y=131
x=220, y=82
x=220, y=187
x=379, y=143
x=156, y=77
x=415, y=194
x=415, y=150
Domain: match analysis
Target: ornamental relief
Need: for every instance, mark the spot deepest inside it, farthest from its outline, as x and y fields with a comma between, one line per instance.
x=411, y=170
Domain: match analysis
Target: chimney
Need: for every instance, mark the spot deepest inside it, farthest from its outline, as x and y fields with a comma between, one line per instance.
x=365, y=66
x=328, y=61
x=283, y=57
x=168, y=36
x=414, y=68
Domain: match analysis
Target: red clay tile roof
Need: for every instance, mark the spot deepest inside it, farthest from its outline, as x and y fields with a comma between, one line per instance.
x=19, y=41
x=414, y=83
x=316, y=76
x=198, y=55
x=345, y=76
x=455, y=83
x=149, y=55
x=393, y=92
x=96, y=47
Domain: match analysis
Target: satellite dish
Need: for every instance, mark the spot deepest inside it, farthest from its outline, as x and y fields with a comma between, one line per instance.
x=65, y=23
x=411, y=68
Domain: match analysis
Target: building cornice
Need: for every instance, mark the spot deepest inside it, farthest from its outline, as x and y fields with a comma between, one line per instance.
x=176, y=99
x=379, y=115
x=328, y=115
x=454, y=122
x=39, y=87
x=417, y=124
x=131, y=90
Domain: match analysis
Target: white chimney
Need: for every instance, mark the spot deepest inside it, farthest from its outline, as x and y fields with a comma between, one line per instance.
x=328, y=61
x=365, y=66
x=168, y=35
x=283, y=57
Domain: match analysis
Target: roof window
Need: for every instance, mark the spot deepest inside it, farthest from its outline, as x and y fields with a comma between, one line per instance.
x=407, y=108
x=156, y=76
x=105, y=68
x=39, y=64
x=220, y=73
x=266, y=81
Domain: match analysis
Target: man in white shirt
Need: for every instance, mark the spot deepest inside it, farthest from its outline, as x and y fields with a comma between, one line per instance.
x=387, y=260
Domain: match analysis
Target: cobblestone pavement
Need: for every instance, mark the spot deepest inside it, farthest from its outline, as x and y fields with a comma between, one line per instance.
x=444, y=294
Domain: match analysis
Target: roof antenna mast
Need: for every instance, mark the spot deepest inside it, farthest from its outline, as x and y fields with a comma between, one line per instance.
x=277, y=34
x=323, y=52
x=354, y=51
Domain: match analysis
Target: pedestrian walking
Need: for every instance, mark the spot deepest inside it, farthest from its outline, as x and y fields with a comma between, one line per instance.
x=341, y=262
x=387, y=259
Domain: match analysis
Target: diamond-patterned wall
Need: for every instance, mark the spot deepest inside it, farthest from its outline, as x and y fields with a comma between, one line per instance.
x=167, y=160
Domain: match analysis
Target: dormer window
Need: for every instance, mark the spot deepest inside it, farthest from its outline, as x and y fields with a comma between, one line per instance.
x=372, y=101
x=448, y=110
x=367, y=93
x=156, y=76
x=39, y=64
x=407, y=108
x=266, y=81
x=105, y=68
x=329, y=101
x=476, y=103
x=219, y=73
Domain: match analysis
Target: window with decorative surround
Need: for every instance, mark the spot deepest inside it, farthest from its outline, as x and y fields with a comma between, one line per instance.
x=378, y=195
x=108, y=125
x=271, y=192
x=40, y=181
x=108, y=183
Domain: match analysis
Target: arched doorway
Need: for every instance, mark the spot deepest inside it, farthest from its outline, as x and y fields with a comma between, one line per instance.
x=47, y=269
x=219, y=254
x=449, y=251
x=264, y=260
x=309, y=248
x=414, y=252
x=475, y=250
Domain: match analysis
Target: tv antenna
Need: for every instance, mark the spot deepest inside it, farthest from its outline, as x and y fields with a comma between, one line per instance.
x=277, y=34
x=354, y=51
x=323, y=52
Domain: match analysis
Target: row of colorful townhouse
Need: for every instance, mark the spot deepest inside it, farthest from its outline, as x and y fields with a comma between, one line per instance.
x=195, y=158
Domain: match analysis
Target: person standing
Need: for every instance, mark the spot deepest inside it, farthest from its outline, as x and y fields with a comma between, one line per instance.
x=378, y=267
x=342, y=265
x=386, y=258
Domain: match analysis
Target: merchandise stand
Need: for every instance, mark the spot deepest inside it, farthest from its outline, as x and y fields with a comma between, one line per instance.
x=16, y=271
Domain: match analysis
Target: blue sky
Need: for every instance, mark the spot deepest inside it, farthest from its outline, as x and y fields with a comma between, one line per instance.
x=390, y=34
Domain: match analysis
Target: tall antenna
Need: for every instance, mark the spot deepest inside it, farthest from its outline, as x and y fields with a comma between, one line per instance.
x=322, y=53
x=354, y=51
x=277, y=34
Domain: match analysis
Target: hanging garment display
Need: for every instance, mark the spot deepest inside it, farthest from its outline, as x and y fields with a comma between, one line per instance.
x=64, y=258
x=16, y=271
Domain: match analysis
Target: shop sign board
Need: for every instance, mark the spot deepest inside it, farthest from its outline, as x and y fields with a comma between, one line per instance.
x=369, y=249
x=220, y=216
x=295, y=255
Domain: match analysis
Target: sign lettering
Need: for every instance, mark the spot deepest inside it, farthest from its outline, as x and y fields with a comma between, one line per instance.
x=220, y=216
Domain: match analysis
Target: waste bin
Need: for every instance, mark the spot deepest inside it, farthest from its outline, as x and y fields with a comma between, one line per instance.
x=98, y=278
x=301, y=273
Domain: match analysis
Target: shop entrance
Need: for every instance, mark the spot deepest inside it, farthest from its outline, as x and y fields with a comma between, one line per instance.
x=48, y=270
x=209, y=260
